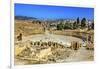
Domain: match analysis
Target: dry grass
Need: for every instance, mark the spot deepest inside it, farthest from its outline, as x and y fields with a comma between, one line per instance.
x=75, y=33
x=27, y=28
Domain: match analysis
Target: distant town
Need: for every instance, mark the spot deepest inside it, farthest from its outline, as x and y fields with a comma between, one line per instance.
x=62, y=24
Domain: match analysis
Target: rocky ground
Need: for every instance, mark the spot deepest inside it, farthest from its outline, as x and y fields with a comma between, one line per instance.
x=28, y=53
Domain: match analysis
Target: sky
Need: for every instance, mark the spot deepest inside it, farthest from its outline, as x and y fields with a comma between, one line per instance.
x=53, y=12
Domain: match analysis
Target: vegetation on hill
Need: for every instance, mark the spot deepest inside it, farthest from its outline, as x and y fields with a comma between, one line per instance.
x=24, y=18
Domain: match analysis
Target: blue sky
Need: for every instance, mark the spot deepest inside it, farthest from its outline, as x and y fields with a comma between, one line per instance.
x=53, y=12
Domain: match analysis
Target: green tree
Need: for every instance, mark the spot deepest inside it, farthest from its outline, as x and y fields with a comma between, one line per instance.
x=78, y=20
x=92, y=25
x=67, y=26
x=75, y=25
x=60, y=26
x=83, y=23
